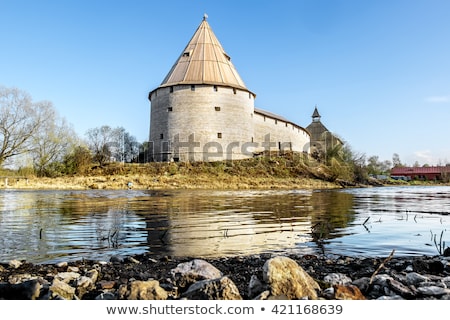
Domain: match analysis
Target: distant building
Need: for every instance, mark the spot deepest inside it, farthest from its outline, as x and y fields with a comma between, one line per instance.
x=421, y=173
x=322, y=139
x=203, y=111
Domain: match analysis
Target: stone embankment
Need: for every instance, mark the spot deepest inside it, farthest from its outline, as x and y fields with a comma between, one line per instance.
x=243, y=278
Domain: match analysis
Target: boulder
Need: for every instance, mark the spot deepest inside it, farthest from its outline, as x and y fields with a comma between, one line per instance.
x=286, y=278
x=190, y=272
x=60, y=289
x=145, y=290
x=27, y=290
x=347, y=292
x=216, y=289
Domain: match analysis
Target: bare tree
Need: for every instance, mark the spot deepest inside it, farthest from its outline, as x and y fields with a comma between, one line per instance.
x=20, y=119
x=112, y=144
x=374, y=166
x=396, y=162
x=99, y=141
x=52, y=142
x=125, y=146
x=132, y=147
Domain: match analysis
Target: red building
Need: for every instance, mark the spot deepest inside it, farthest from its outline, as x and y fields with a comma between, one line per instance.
x=421, y=173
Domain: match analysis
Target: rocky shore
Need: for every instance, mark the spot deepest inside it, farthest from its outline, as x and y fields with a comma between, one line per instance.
x=243, y=278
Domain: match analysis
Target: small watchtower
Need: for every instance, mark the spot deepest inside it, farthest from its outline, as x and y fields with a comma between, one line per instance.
x=322, y=140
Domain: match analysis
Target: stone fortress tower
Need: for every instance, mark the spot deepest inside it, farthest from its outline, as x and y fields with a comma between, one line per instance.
x=203, y=111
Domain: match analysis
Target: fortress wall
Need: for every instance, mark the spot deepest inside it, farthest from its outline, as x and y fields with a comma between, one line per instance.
x=278, y=134
x=158, y=121
x=201, y=122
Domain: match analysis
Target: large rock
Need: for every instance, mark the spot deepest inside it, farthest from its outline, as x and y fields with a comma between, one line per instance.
x=15, y=264
x=83, y=285
x=216, y=289
x=255, y=287
x=146, y=290
x=401, y=289
x=347, y=292
x=415, y=279
x=433, y=291
x=67, y=276
x=286, y=278
x=27, y=290
x=190, y=272
x=60, y=289
x=337, y=278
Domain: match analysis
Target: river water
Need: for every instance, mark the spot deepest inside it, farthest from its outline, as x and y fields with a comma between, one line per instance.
x=52, y=226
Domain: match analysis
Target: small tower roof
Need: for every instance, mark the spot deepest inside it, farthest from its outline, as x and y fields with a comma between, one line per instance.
x=204, y=61
x=316, y=113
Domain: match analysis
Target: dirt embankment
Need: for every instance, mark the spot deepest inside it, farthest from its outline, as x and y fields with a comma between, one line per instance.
x=276, y=173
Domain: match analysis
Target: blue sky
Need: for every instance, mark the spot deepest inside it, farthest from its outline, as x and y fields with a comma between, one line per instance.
x=379, y=71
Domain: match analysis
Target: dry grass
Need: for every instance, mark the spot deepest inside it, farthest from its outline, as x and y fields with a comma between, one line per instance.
x=262, y=173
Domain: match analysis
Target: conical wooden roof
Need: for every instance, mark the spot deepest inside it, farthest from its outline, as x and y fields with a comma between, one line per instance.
x=204, y=61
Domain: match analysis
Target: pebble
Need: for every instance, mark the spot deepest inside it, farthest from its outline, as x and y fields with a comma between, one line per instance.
x=266, y=277
x=15, y=264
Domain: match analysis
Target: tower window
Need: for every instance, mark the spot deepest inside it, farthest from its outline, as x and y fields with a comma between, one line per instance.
x=186, y=54
x=215, y=88
x=234, y=90
x=219, y=135
x=171, y=89
x=192, y=87
x=169, y=109
x=161, y=136
x=217, y=108
x=276, y=121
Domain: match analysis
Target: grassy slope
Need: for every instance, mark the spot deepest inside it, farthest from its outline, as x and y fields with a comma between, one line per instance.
x=258, y=173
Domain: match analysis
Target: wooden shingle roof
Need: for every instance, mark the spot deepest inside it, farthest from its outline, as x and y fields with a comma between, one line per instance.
x=204, y=61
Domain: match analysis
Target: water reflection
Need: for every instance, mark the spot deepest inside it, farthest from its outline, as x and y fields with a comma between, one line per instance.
x=234, y=222
x=49, y=226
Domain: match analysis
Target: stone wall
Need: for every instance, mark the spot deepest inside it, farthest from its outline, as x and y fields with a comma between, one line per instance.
x=211, y=123
x=279, y=135
x=203, y=122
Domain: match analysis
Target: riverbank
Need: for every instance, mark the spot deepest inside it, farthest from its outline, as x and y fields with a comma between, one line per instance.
x=281, y=172
x=166, y=182
x=263, y=173
x=256, y=277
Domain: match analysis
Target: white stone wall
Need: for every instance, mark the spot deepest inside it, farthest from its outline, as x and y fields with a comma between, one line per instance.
x=203, y=123
x=279, y=135
x=211, y=123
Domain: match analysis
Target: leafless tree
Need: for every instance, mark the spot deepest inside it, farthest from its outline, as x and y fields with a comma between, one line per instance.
x=396, y=162
x=20, y=120
x=52, y=142
x=126, y=147
x=112, y=144
x=99, y=141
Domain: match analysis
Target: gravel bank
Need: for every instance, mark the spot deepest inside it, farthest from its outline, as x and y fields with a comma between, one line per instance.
x=412, y=278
